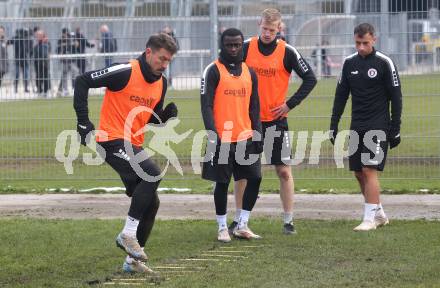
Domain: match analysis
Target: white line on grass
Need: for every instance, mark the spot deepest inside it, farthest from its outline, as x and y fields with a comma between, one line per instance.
x=228, y=251
x=136, y=280
x=125, y=283
x=204, y=259
x=255, y=246
x=178, y=267
x=174, y=272
x=228, y=248
x=130, y=280
x=223, y=255
x=246, y=246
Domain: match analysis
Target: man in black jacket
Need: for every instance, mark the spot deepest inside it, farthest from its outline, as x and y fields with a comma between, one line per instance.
x=373, y=81
x=4, y=61
x=41, y=63
x=80, y=42
x=65, y=46
x=130, y=87
x=108, y=44
x=22, y=54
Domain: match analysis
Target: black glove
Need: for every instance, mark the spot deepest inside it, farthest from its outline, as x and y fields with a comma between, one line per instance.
x=333, y=133
x=84, y=128
x=170, y=111
x=394, y=138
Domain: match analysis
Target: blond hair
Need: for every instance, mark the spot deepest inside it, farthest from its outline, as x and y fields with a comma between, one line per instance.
x=271, y=15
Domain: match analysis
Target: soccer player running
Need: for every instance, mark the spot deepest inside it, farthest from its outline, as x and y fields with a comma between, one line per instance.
x=372, y=79
x=231, y=114
x=273, y=60
x=139, y=85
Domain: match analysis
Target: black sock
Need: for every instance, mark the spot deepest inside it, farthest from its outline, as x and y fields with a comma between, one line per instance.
x=221, y=198
x=142, y=197
x=146, y=222
x=251, y=193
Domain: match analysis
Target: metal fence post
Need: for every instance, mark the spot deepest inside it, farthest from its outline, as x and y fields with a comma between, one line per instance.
x=213, y=28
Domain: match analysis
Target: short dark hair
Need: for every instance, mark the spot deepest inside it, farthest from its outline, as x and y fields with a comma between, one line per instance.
x=364, y=28
x=162, y=40
x=231, y=32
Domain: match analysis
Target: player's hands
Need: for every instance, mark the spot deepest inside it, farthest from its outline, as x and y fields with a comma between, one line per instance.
x=333, y=134
x=170, y=111
x=394, y=138
x=280, y=111
x=214, y=140
x=212, y=146
x=84, y=128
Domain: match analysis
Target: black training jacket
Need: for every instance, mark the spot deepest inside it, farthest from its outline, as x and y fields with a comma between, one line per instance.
x=374, y=83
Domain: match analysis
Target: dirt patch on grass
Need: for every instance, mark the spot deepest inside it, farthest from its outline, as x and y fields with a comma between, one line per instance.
x=184, y=206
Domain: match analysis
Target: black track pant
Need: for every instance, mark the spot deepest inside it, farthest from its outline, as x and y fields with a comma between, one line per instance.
x=249, y=197
x=144, y=199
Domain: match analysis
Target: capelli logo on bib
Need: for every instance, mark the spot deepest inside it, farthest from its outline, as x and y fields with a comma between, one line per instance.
x=372, y=73
x=236, y=92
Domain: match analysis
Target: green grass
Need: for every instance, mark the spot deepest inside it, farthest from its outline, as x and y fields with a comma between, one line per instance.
x=28, y=132
x=70, y=253
x=197, y=185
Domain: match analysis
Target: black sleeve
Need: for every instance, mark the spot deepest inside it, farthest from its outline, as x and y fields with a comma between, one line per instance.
x=89, y=45
x=30, y=47
x=159, y=106
x=341, y=96
x=294, y=61
x=395, y=94
x=210, y=80
x=245, y=49
x=58, y=50
x=114, y=78
x=35, y=52
x=254, y=105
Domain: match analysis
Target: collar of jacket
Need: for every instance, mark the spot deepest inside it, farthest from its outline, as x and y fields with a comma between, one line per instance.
x=146, y=70
x=369, y=55
x=270, y=45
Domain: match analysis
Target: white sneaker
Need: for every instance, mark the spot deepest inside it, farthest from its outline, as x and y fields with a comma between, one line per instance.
x=365, y=226
x=137, y=267
x=245, y=233
x=131, y=246
x=381, y=220
x=223, y=236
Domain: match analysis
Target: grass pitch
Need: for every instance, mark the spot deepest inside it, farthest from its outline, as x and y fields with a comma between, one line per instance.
x=82, y=253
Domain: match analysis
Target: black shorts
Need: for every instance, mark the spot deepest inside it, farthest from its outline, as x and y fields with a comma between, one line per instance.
x=279, y=150
x=116, y=156
x=369, y=149
x=231, y=165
